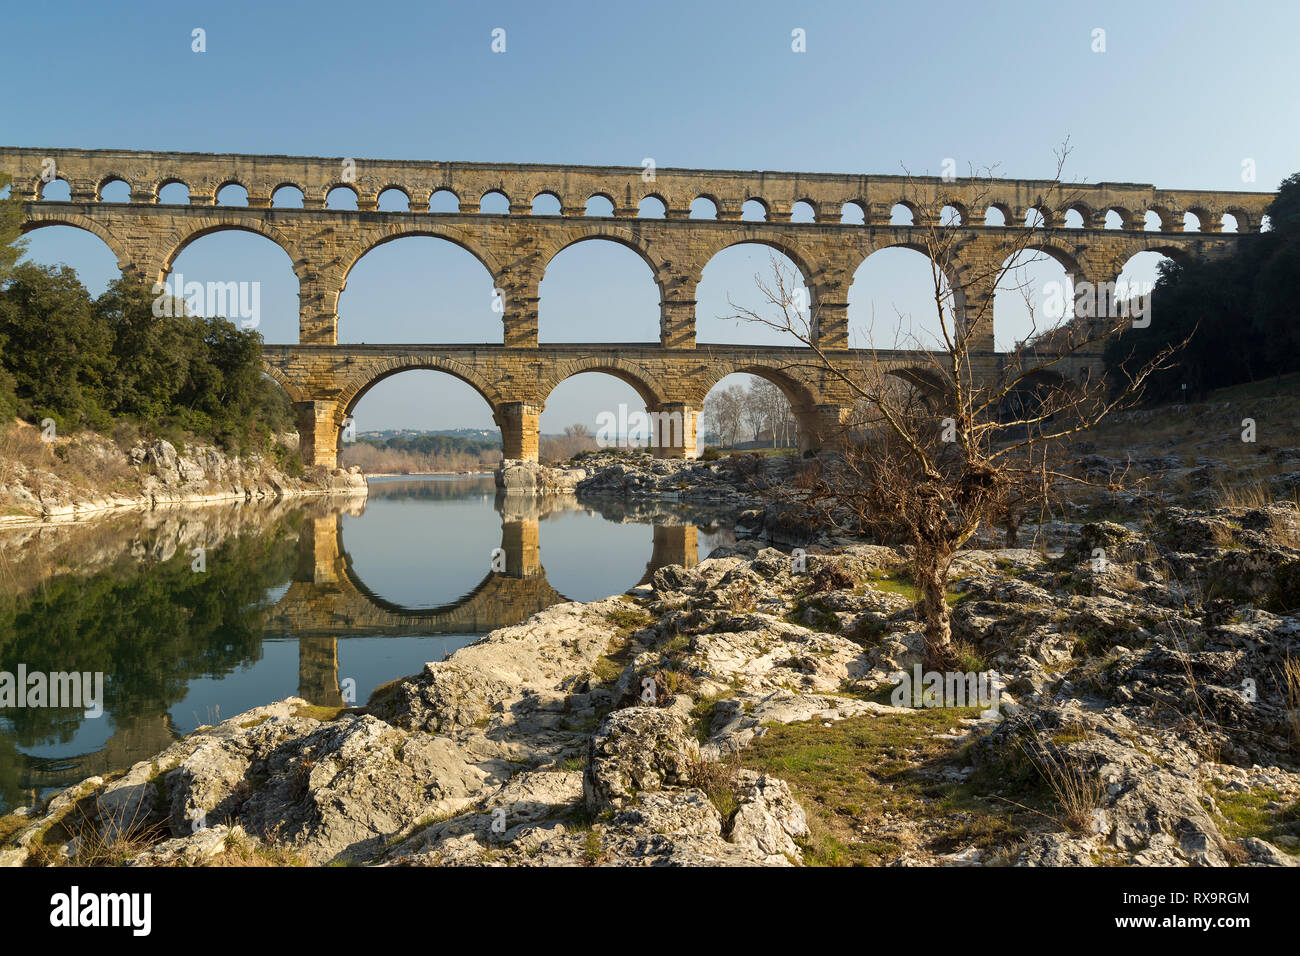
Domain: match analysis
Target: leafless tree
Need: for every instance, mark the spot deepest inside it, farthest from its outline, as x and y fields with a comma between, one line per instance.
x=954, y=443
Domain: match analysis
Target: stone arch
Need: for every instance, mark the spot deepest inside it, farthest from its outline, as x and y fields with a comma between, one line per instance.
x=107, y=180
x=124, y=262
x=782, y=244
x=225, y=184
x=1244, y=220
x=1002, y=209
x=154, y=188
x=547, y=193
x=547, y=255
x=1062, y=256
x=656, y=197
x=176, y=244
x=759, y=202
x=924, y=331
x=641, y=381
x=331, y=187
x=396, y=188
x=797, y=392
x=374, y=240
x=369, y=375
x=291, y=388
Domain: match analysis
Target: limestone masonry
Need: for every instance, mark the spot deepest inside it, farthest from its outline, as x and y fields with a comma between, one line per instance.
x=325, y=380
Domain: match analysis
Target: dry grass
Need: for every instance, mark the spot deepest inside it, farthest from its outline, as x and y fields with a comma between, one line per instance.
x=1077, y=793
x=1291, y=688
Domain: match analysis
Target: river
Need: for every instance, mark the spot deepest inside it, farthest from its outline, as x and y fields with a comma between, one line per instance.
x=193, y=615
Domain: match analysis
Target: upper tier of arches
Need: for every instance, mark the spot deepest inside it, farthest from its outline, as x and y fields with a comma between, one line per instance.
x=641, y=193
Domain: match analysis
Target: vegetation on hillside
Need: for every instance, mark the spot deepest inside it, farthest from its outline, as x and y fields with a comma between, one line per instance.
x=1242, y=313
x=90, y=362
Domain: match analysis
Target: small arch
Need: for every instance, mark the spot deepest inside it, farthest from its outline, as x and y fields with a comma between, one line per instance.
x=1078, y=215
x=1036, y=218
x=444, y=201
x=754, y=210
x=853, y=213
x=652, y=207
x=600, y=206
x=997, y=215
x=287, y=196
x=173, y=192
x=1115, y=218
x=704, y=207
x=803, y=211
x=1240, y=220
x=902, y=214
x=951, y=215
x=1192, y=220
x=232, y=194
x=341, y=196
x=1153, y=221
x=394, y=199
x=546, y=203
x=494, y=203
x=113, y=188
x=57, y=190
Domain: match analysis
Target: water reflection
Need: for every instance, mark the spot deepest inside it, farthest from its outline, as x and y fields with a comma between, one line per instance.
x=324, y=599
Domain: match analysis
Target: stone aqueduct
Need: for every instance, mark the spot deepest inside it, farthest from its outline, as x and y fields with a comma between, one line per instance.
x=325, y=380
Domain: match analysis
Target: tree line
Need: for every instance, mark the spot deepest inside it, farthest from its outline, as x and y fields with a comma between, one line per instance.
x=87, y=361
x=757, y=412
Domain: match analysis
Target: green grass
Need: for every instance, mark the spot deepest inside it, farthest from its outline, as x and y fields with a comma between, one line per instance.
x=1245, y=813
x=850, y=775
x=901, y=583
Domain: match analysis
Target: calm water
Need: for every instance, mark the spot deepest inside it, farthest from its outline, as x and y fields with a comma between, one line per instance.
x=194, y=615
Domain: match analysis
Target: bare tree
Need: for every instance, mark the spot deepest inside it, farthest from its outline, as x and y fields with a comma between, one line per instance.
x=931, y=456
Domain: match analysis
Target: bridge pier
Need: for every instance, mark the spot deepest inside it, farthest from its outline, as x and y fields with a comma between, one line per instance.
x=821, y=427
x=674, y=430
x=518, y=424
x=318, y=432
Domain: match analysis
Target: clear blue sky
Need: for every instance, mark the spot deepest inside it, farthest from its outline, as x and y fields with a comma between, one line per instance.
x=1183, y=93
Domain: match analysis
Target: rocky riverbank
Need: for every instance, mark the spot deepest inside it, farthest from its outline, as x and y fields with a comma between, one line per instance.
x=743, y=712
x=87, y=474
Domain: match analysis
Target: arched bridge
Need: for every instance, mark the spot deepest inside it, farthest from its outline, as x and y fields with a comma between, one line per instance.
x=325, y=380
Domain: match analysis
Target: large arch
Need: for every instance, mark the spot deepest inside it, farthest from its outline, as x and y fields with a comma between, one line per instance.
x=64, y=246
x=728, y=282
x=1035, y=293
x=589, y=287
x=891, y=300
x=417, y=287
x=260, y=268
x=607, y=398
x=352, y=392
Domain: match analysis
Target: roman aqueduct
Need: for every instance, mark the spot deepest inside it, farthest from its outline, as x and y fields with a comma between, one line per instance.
x=325, y=380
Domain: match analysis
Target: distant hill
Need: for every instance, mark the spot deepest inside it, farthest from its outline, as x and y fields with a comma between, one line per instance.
x=488, y=435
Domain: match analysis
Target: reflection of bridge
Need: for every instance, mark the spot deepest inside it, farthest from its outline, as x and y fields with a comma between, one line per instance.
x=325, y=380
x=326, y=600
